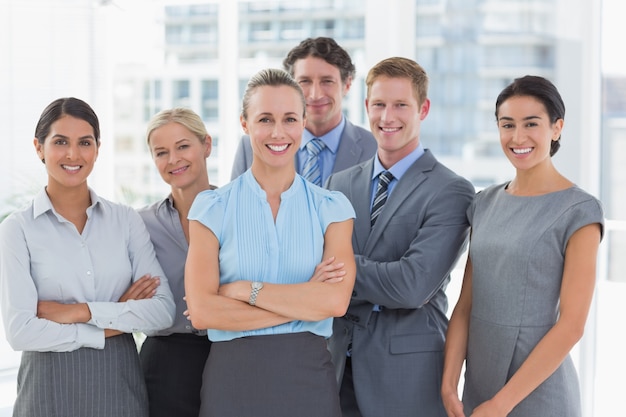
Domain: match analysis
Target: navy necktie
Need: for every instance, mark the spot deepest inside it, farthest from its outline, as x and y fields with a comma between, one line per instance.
x=380, y=198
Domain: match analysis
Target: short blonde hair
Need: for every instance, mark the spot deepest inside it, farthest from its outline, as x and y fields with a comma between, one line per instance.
x=182, y=116
x=398, y=67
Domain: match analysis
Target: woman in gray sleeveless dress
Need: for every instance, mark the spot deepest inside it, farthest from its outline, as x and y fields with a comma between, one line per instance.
x=530, y=274
x=72, y=280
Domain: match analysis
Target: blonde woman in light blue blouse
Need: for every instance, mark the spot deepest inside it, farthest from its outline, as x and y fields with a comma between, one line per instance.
x=270, y=263
x=78, y=275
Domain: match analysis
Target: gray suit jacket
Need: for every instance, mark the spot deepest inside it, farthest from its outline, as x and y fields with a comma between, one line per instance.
x=403, y=265
x=355, y=146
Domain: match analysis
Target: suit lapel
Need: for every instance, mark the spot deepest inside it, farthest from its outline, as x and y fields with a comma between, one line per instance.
x=360, y=190
x=349, y=152
x=403, y=190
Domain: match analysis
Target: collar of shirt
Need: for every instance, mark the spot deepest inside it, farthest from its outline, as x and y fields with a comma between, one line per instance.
x=330, y=139
x=42, y=203
x=166, y=204
x=398, y=169
x=326, y=158
x=249, y=181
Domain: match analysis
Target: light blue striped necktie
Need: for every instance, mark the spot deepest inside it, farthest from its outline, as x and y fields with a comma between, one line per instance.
x=311, y=169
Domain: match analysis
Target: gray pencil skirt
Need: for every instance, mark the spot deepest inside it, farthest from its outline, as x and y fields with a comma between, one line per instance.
x=86, y=382
x=270, y=376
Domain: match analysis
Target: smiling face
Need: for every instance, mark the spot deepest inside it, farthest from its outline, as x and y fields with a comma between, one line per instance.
x=179, y=155
x=324, y=92
x=395, y=117
x=526, y=132
x=274, y=120
x=69, y=152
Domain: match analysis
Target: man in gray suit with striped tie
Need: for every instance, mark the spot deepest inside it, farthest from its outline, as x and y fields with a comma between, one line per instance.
x=330, y=142
x=409, y=231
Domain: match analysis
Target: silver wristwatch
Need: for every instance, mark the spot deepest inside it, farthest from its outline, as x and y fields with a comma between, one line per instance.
x=256, y=287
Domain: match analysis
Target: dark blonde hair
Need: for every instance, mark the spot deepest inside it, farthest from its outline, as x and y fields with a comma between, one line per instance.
x=272, y=77
x=183, y=116
x=398, y=67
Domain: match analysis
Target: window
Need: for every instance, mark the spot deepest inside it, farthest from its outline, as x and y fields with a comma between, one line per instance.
x=261, y=31
x=324, y=27
x=210, y=104
x=291, y=30
x=180, y=93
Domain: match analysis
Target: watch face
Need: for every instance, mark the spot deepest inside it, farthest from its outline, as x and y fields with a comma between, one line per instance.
x=257, y=285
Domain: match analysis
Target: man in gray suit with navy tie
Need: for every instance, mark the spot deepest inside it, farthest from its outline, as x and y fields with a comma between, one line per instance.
x=409, y=232
x=330, y=142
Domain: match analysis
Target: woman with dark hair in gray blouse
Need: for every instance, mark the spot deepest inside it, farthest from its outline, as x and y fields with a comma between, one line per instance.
x=530, y=274
x=173, y=359
x=78, y=275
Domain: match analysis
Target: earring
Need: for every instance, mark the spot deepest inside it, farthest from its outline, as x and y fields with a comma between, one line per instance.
x=43, y=160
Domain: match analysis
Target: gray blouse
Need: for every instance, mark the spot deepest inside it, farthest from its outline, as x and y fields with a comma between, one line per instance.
x=163, y=224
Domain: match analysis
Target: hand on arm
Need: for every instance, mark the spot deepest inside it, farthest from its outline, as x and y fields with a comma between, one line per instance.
x=411, y=276
x=62, y=313
x=316, y=299
x=329, y=271
x=576, y=293
x=144, y=288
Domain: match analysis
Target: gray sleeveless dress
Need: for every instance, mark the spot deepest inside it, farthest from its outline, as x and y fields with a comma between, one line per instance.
x=517, y=249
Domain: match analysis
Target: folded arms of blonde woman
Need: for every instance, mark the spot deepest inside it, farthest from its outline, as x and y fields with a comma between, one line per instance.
x=226, y=307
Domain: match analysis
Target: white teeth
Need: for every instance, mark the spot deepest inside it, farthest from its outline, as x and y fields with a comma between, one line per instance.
x=276, y=148
x=389, y=129
x=176, y=171
x=521, y=150
x=71, y=168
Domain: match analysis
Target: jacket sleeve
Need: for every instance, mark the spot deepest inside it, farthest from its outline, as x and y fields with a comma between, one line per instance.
x=243, y=157
x=418, y=271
